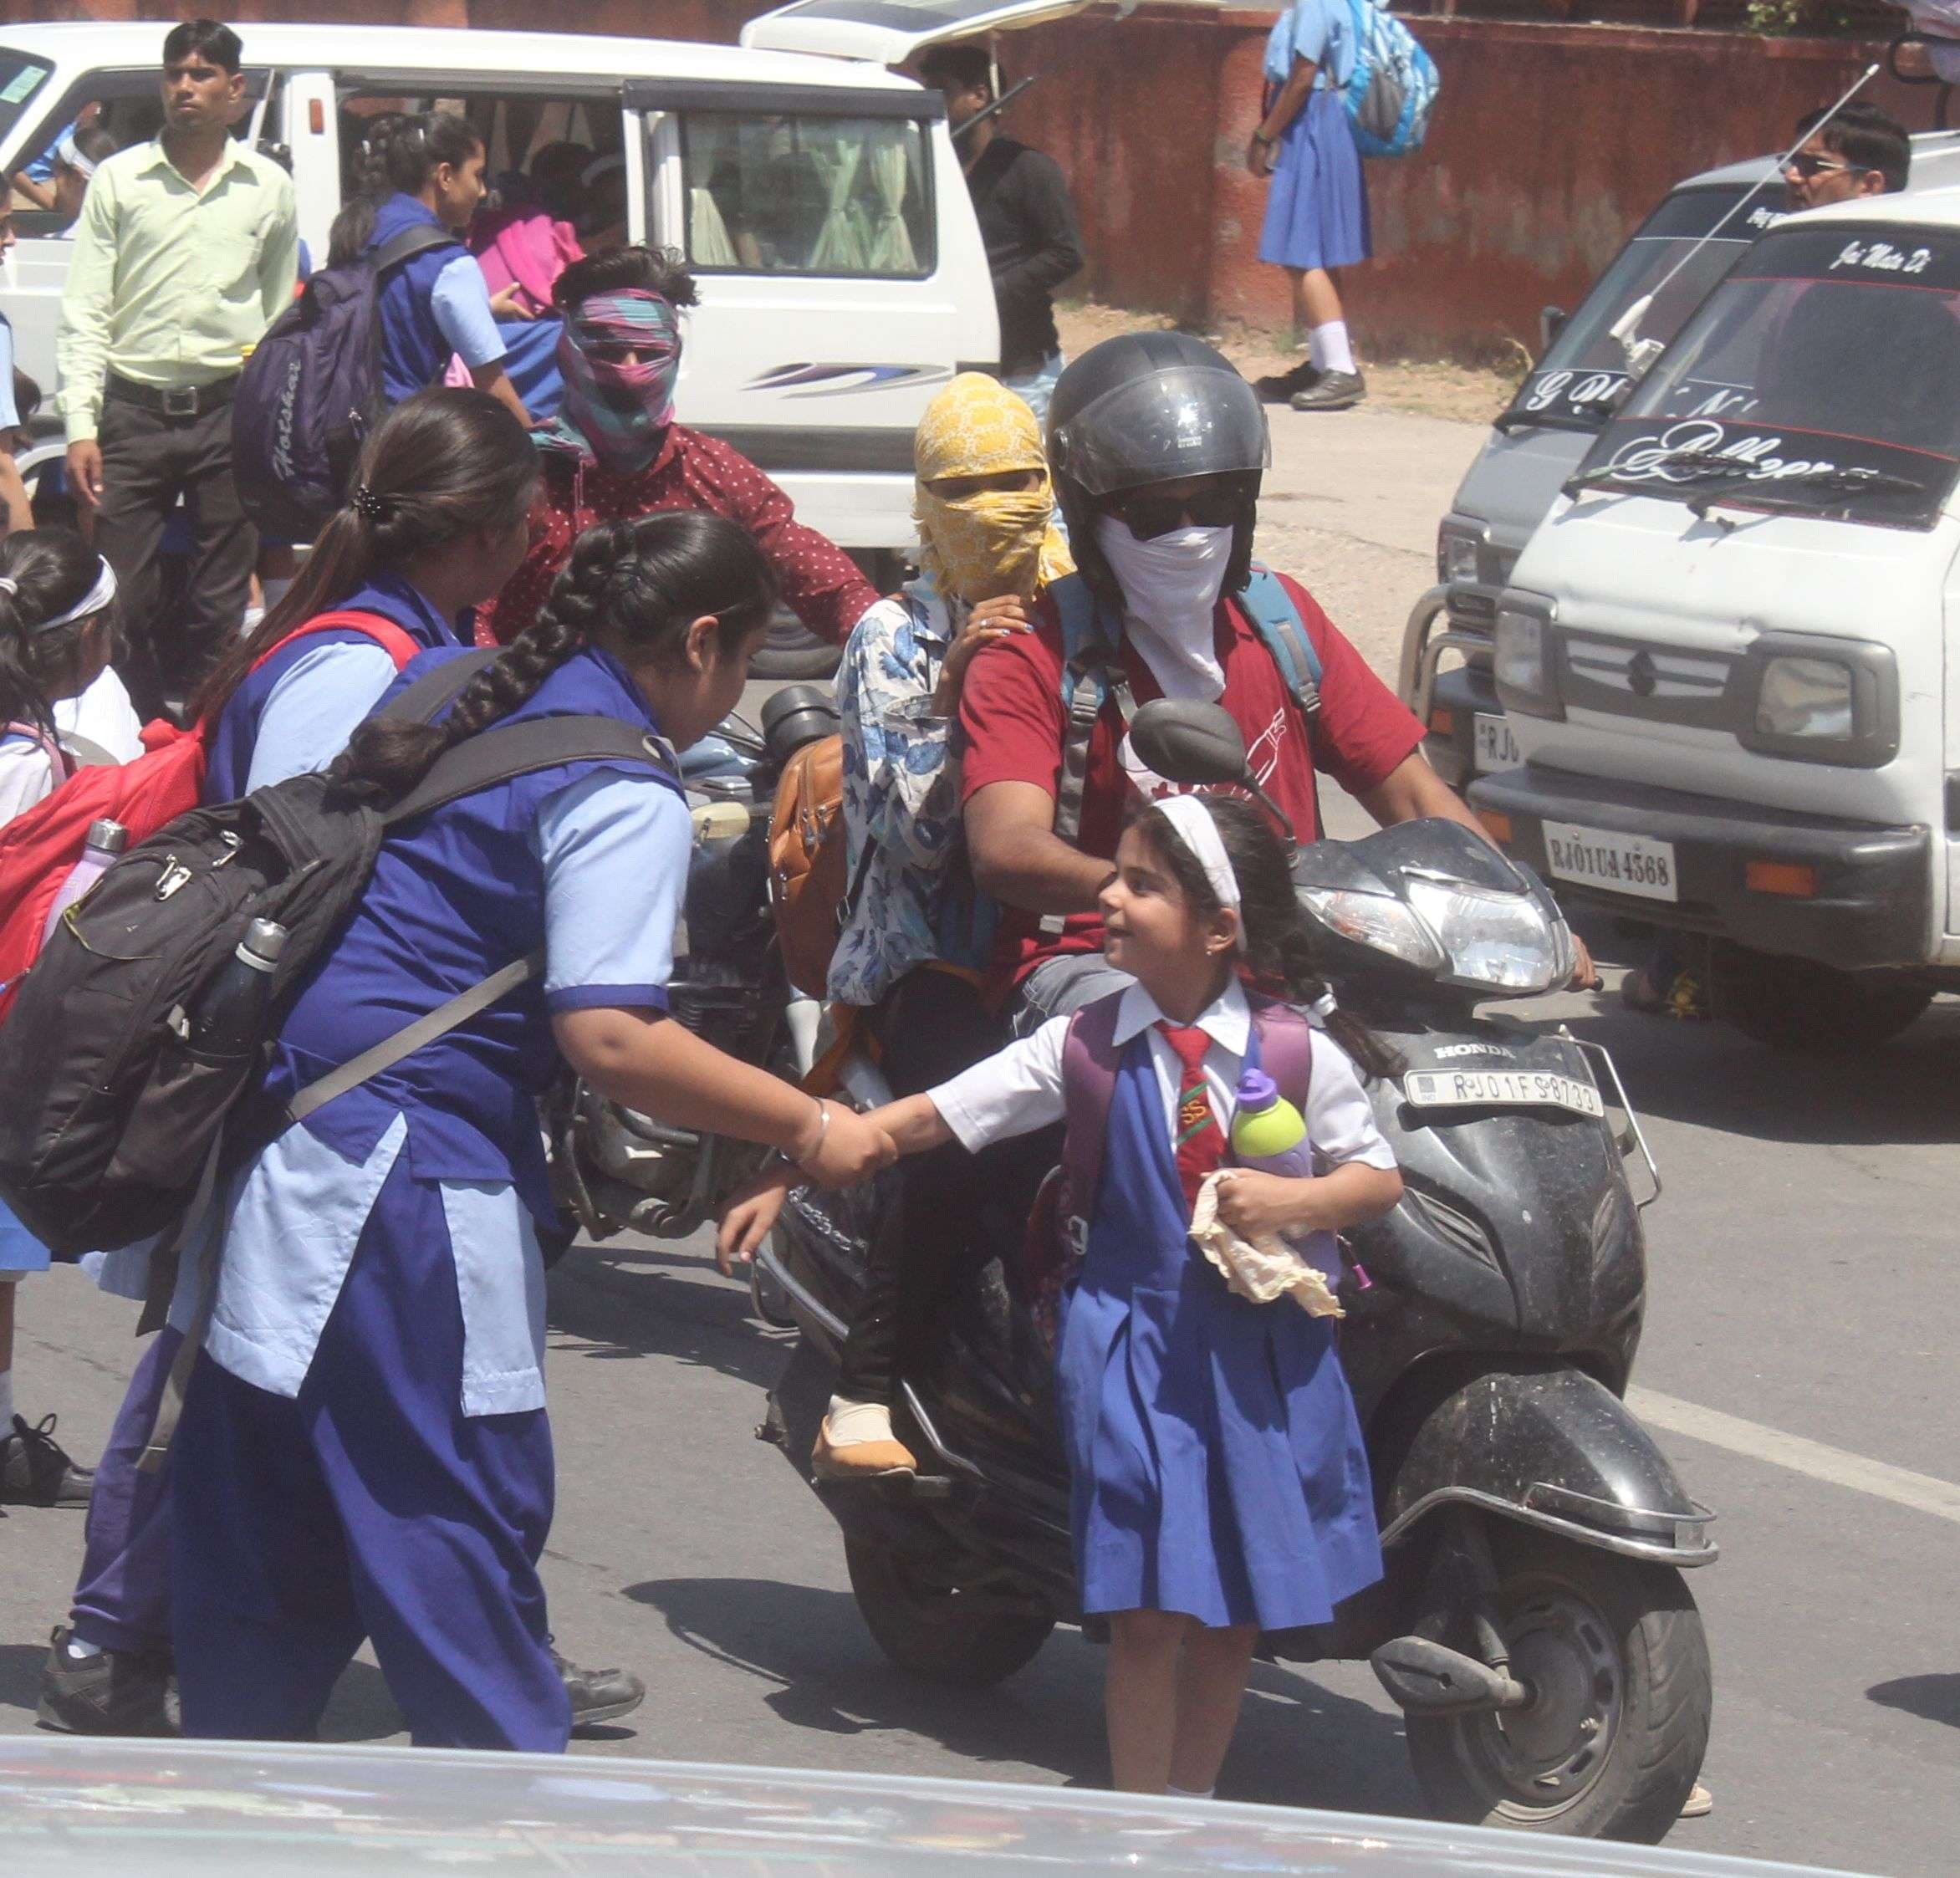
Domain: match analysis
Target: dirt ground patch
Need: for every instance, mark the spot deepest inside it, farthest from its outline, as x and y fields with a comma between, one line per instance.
x=1469, y=394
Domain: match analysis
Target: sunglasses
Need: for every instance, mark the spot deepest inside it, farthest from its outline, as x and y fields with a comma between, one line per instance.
x=1809, y=167
x=1147, y=516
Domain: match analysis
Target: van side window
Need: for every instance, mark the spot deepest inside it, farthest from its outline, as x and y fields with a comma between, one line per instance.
x=840, y=196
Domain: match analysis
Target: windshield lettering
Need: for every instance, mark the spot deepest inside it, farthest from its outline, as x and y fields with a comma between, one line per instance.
x=1576, y=390
x=1667, y=459
x=1882, y=258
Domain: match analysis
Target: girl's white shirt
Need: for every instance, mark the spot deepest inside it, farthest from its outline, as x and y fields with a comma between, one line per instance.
x=102, y=715
x=1019, y=1089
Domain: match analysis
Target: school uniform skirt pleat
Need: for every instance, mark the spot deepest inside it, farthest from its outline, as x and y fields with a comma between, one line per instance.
x=368, y=1506
x=1317, y=203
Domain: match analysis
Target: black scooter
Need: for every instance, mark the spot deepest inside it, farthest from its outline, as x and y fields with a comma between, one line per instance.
x=1533, y=1622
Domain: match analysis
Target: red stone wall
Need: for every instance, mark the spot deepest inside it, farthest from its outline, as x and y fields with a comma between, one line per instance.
x=1549, y=143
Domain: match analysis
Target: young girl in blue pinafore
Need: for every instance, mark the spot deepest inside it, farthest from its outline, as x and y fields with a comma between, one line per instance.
x=1218, y=1484
x=364, y=1451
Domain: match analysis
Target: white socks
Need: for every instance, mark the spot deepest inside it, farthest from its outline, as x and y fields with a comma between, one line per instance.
x=1329, y=348
x=851, y=1423
x=79, y=1649
x=1188, y=1792
x=6, y=1401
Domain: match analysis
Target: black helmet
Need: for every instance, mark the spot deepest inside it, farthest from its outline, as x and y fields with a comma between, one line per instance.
x=1152, y=407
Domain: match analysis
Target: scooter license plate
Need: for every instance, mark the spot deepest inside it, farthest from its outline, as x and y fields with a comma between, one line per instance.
x=1500, y=1088
x=1496, y=744
x=1597, y=857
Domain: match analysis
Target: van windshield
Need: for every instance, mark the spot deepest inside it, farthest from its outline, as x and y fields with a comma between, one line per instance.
x=1826, y=374
x=1584, y=373
x=20, y=77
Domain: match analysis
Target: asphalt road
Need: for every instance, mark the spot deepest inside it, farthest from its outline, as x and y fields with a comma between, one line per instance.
x=1798, y=1365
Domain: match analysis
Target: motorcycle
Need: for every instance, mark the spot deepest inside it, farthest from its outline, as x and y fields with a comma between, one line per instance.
x=1532, y=1621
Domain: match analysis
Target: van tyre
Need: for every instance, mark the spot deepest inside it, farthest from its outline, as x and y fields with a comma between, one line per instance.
x=972, y=1640
x=1609, y=1748
x=1797, y=1004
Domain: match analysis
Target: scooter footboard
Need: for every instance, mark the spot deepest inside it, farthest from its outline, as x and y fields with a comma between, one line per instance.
x=1552, y=1448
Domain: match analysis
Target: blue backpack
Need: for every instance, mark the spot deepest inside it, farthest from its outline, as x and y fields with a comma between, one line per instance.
x=1392, y=89
x=311, y=392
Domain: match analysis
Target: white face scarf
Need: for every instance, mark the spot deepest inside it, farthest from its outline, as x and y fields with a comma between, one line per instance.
x=1170, y=586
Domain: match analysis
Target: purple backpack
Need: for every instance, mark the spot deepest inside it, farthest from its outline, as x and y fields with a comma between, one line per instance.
x=1058, y=1231
x=311, y=392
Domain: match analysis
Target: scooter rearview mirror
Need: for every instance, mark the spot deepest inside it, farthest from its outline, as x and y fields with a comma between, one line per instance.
x=1187, y=742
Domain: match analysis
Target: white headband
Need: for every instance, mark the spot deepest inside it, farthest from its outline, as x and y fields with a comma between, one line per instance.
x=1192, y=823
x=65, y=152
x=101, y=594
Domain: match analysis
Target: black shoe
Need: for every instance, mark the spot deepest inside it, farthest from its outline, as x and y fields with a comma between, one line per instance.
x=1334, y=391
x=114, y=1692
x=598, y=1695
x=35, y=1470
x=1278, y=387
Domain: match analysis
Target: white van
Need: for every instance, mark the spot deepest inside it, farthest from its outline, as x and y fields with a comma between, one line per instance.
x=1731, y=655
x=816, y=195
x=1687, y=244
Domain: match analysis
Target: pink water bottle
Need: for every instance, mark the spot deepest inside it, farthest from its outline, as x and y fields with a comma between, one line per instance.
x=105, y=840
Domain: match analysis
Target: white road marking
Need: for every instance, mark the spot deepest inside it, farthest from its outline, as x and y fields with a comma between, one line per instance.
x=1922, y=1491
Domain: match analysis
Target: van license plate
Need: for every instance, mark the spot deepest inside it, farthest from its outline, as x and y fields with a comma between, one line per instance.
x=1619, y=863
x=1500, y=1088
x=1496, y=748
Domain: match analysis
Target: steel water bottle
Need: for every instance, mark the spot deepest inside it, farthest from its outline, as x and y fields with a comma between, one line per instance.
x=231, y=1014
x=105, y=840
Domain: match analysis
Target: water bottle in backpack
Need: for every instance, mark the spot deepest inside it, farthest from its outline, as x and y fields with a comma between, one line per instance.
x=229, y=1017
x=105, y=840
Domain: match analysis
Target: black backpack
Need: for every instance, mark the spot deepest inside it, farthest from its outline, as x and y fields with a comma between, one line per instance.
x=114, y=1122
x=311, y=392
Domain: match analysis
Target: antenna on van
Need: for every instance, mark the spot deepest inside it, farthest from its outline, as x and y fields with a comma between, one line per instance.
x=1640, y=353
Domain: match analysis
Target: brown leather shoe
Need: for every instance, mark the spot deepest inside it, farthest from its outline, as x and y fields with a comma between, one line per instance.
x=859, y=1460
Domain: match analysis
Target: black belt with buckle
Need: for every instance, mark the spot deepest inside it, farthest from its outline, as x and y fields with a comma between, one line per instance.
x=183, y=401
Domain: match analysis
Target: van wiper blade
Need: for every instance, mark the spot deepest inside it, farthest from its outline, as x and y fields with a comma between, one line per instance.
x=1680, y=465
x=1844, y=482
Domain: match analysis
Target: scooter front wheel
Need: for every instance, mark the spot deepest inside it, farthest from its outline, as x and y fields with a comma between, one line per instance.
x=1610, y=1742
x=972, y=1639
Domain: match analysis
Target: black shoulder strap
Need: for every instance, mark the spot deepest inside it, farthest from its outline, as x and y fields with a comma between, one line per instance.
x=435, y=688
x=408, y=242
x=501, y=752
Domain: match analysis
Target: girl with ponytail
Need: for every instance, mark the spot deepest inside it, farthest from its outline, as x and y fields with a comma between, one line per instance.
x=1219, y=1485
x=378, y=1314
x=434, y=523
x=57, y=636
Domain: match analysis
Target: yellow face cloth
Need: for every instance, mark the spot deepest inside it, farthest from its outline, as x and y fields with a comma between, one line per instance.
x=999, y=541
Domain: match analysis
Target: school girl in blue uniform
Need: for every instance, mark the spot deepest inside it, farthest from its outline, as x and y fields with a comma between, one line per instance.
x=1218, y=1483
x=433, y=526
x=364, y=1451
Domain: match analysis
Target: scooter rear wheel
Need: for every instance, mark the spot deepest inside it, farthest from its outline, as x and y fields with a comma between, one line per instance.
x=1614, y=1653
x=967, y=1638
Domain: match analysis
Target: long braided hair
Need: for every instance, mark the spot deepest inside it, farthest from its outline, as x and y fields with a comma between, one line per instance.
x=1281, y=953
x=631, y=588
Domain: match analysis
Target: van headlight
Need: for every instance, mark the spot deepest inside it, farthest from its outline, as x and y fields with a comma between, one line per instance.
x=1523, y=657
x=1459, y=551
x=1818, y=699
x=1507, y=940
x=1804, y=697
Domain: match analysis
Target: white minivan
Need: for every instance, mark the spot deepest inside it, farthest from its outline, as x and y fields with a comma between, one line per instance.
x=1731, y=655
x=816, y=194
x=1696, y=234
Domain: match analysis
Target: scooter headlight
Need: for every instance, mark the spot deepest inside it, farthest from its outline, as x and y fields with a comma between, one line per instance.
x=1507, y=940
x=1378, y=922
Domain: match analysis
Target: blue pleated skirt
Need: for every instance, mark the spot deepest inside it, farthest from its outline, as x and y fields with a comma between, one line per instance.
x=20, y=1251
x=1317, y=208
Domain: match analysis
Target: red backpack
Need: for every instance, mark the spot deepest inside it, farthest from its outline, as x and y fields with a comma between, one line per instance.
x=39, y=849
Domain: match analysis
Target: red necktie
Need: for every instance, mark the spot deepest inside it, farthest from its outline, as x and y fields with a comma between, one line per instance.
x=1201, y=1142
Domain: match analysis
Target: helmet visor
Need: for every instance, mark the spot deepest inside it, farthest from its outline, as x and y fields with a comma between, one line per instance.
x=1187, y=420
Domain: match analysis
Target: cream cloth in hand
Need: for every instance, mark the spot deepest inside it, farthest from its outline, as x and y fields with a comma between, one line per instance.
x=1262, y=1269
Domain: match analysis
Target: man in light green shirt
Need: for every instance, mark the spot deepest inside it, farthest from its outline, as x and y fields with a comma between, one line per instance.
x=186, y=251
